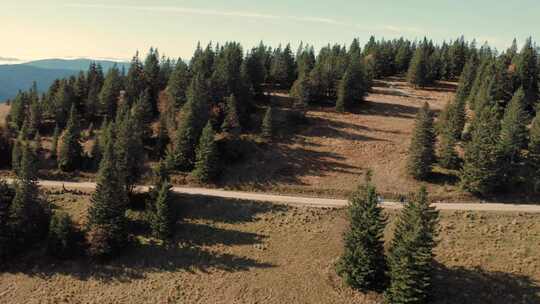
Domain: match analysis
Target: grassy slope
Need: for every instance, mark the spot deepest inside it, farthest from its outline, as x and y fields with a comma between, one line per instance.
x=233, y=252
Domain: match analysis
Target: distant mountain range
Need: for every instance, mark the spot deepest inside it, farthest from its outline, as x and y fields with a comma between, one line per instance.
x=15, y=77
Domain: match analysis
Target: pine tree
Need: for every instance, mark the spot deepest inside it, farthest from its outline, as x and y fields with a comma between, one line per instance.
x=129, y=151
x=363, y=264
x=152, y=77
x=466, y=80
x=63, y=100
x=35, y=117
x=410, y=257
x=352, y=87
x=207, y=164
x=301, y=90
x=448, y=157
x=267, y=127
x=71, y=151
x=16, y=155
x=163, y=138
x=533, y=157
x=163, y=218
x=421, y=151
x=527, y=68
x=417, y=74
x=135, y=82
x=109, y=94
x=480, y=173
x=28, y=213
x=62, y=241
x=6, y=196
x=106, y=222
x=179, y=83
x=513, y=137
x=231, y=123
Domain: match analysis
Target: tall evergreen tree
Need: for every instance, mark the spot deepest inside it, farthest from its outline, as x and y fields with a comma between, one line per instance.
x=533, y=157
x=527, y=68
x=106, y=224
x=135, y=83
x=513, y=137
x=363, y=263
x=231, y=123
x=418, y=69
x=28, y=213
x=448, y=157
x=207, y=164
x=71, y=152
x=410, y=257
x=163, y=218
x=421, y=151
x=152, y=76
x=110, y=92
x=267, y=128
x=352, y=87
x=129, y=151
x=480, y=173
x=179, y=83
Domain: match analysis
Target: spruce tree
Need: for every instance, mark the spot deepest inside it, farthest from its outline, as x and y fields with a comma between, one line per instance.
x=109, y=94
x=422, y=151
x=129, y=149
x=352, y=87
x=62, y=241
x=448, y=157
x=363, y=263
x=417, y=74
x=513, y=137
x=28, y=213
x=179, y=83
x=231, y=123
x=527, y=68
x=480, y=173
x=533, y=157
x=410, y=257
x=162, y=223
x=6, y=196
x=163, y=138
x=207, y=163
x=301, y=91
x=106, y=223
x=267, y=127
x=16, y=155
x=71, y=151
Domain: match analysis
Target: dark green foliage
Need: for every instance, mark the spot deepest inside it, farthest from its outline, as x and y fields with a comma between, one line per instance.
x=162, y=220
x=363, y=263
x=301, y=91
x=106, y=224
x=421, y=151
x=513, y=137
x=179, y=83
x=231, y=123
x=28, y=213
x=207, y=167
x=533, y=158
x=63, y=100
x=267, y=128
x=35, y=118
x=16, y=155
x=135, y=82
x=163, y=138
x=452, y=119
x=283, y=68
x=410, y=257
x=152, y=76
x=448, y=157
x=63, y=240
x=110, y=92
x=142, y=116
x=480, y=173
x=129, y=150
x=466, y=80
x=193, y=119
x=7, y=194
x=17, y=111
x=352, y=87
x=71, y=152
x=527, y=69
x=5, y=148
x=418, y=69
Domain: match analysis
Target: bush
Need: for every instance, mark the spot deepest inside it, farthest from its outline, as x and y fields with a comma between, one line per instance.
x=64, y=239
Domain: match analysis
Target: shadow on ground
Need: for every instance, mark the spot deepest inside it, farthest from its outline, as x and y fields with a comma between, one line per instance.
x=476, y=286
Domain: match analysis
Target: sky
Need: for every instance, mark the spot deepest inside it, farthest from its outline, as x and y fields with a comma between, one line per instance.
x=116, y=29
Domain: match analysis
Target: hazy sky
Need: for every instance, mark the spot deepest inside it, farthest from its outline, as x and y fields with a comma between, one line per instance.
x=32, y=29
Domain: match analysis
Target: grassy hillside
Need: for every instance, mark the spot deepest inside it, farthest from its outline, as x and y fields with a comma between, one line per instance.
x=242, y=252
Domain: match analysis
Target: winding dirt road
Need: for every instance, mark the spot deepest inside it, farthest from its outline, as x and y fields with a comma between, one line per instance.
x=302, y=201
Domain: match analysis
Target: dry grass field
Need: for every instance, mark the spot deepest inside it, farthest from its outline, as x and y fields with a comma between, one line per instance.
x=243, y=252
x=330, y=153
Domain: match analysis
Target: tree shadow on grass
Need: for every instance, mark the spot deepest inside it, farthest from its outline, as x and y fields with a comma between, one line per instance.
x=223, y=210
x=461, y=285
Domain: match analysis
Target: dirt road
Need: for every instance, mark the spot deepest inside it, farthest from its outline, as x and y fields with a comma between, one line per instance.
x=303, y=201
